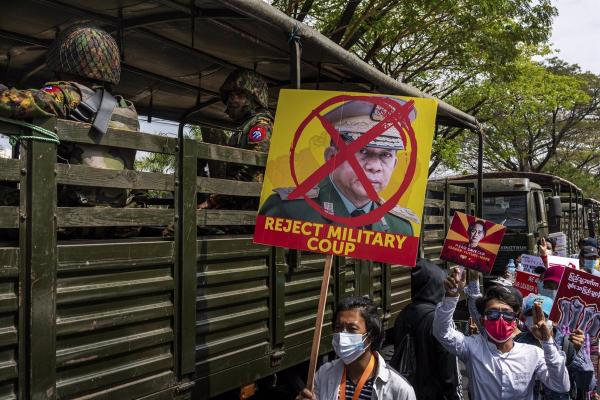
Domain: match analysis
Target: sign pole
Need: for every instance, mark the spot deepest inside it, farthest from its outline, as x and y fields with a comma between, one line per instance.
x=314, y=353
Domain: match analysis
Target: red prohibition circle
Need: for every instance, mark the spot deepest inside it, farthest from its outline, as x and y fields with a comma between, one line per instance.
x=401, y=123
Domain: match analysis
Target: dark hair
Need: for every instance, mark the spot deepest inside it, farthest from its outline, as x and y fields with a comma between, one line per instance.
x=368, y=310
x=501, y=293
x=478, y=222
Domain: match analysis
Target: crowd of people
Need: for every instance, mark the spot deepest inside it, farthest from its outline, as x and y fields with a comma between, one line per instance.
x=510, y=350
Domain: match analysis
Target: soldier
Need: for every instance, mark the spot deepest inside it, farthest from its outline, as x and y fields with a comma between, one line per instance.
x=245, y=94
x=342, y=193
x=85, y=59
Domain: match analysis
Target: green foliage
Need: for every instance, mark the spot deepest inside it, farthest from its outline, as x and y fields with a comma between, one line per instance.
x=441, y=47
x=434, y=45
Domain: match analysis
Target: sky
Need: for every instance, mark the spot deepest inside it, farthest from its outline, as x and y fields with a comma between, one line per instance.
x=576, y=33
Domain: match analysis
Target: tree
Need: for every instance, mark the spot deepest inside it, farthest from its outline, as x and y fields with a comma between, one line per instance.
x=440, y=47
x=546, y=120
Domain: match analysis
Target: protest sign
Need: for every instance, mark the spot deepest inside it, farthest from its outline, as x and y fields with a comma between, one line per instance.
x=472, y=242
x=526, y=282
x=561, y=243
x=530, y=263
x=347, y=174
x=577, y=303
x=563, y=262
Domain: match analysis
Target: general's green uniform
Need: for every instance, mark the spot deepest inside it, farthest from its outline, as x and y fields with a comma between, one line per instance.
x=325, y=194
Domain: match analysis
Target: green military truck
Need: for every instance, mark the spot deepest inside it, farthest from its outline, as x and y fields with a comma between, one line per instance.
x=193, y=316
x=534, y=205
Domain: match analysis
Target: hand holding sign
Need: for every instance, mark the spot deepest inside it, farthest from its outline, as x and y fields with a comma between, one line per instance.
x=577, y=338
x=455, y=282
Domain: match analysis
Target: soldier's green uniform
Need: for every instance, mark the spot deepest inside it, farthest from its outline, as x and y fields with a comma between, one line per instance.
x=70, y=53
x=326, y=196
x=254, y=133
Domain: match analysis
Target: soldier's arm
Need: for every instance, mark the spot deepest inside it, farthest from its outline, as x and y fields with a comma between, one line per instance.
x=259, y=135
x=53, y=99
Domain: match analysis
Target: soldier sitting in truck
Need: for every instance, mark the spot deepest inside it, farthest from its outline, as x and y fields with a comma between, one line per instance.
x=86, y=60
x=246, y=96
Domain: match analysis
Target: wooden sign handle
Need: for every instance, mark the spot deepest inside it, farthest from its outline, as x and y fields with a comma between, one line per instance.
x=314, y=353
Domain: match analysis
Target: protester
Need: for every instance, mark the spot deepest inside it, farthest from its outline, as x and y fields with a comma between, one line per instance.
x=588, y=260
x=578, y=363
x=358, y=335
x=549, y=281
x=473, y=292
x=436, y=370
x=497, y=366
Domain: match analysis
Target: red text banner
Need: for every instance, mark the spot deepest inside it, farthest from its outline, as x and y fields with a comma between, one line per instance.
x=577, y=303
x=338, y=240
x=526, y=283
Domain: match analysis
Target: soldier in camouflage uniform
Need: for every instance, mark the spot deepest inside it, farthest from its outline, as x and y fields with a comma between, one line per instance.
x=85, y=58
x=246, y=96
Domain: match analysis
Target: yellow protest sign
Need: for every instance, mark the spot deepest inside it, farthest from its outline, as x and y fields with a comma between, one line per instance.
x=347, y=174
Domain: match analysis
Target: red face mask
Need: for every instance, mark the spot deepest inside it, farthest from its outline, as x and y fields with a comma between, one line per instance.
x=499, y=330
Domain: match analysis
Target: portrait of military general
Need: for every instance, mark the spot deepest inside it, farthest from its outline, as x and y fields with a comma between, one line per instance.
x=342, y=193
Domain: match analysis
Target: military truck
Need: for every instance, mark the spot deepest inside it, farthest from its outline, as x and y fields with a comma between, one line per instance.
x=534, y=205
x=193, y=316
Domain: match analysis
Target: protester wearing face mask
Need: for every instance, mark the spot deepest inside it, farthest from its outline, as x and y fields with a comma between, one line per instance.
x=549, y=281
x=588, y=260
x=580, y=380
x=498, y=367
x=473, y=292
x=546, y=248
x=360, y=373
x=436, y=374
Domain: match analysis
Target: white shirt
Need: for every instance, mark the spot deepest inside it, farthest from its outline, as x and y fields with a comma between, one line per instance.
x=494, y=375
x=388, y=384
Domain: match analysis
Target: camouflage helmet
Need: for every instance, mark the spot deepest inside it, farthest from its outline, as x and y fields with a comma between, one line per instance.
x=86, y=51
x=246, y=81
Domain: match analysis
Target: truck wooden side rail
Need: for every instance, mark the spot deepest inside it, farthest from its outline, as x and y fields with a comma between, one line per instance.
x=146, y=316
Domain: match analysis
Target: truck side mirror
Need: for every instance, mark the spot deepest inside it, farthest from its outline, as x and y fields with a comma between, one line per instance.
x=554, y=207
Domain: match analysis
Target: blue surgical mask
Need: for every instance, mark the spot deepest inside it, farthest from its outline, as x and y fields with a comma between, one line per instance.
x=589, y=265
x=349, y=346
x=548, y=292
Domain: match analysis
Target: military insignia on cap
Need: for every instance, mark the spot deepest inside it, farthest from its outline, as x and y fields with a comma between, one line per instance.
x=379, y=113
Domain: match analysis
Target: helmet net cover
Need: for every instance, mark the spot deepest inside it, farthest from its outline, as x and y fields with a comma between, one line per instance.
x=86, y=51
x=248, y=82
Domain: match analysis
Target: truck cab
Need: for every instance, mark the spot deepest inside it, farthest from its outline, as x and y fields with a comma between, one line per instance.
x=533, y=205
x=518, y=204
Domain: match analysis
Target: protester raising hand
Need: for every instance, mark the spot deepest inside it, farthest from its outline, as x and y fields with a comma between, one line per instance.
x=455, y=282
x=543, y=248
x=540, y=329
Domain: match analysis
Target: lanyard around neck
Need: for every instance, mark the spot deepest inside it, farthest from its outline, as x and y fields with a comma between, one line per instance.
x=361, y=382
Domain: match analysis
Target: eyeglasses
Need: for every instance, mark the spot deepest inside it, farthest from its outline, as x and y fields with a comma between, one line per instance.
x=493, y=315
